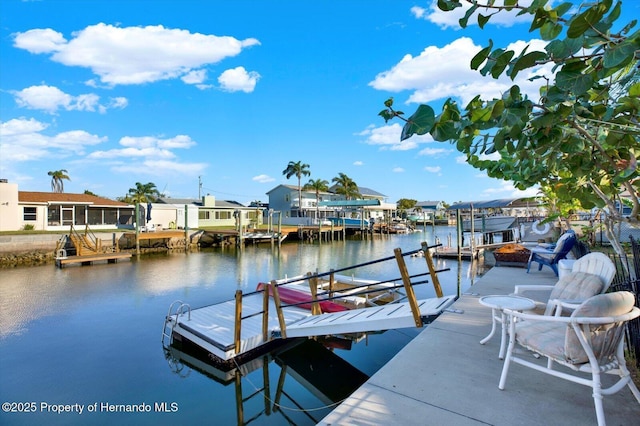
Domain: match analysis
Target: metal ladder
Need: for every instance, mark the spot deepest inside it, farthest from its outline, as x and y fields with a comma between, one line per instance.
x=170, y=323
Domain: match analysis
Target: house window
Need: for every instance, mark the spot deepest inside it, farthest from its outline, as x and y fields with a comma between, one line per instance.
x=29, y=213
x=80, y=215
x=287, y=198
x=204, y=214
x=54, y=216
x=95, y=216
x=223, y=215
x=110, y=217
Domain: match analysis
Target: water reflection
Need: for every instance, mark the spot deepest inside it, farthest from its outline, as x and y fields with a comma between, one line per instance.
x=325, y=378
x=93, y=334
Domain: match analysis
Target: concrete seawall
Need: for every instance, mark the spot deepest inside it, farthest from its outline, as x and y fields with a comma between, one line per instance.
x=24, y=243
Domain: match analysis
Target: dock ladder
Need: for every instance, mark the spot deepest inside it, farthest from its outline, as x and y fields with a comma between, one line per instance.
x=170, y=322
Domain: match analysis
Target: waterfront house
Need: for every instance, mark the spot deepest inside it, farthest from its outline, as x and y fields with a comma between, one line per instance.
x=57, y=211
x=310, y=210
x=426, y=211
x=207, y=212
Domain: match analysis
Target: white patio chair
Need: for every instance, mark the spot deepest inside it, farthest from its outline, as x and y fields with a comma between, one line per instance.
x=574, y=287
x=591, y=340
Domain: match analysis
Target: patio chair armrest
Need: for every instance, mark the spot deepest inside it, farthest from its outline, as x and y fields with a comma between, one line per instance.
x=558, y=306
x=633, y=313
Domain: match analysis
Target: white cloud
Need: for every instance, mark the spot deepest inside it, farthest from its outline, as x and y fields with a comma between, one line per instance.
x=262, y=179
x=50, y=99
x=146, y=147
x=506, y=189
x=195, y=77
x=132, y=153
x=358, y=163
x=435, y=152
x=443, y=72
x=238, y=79
x=134, y=55
x=40, y=41
x=23, y=140
x=450, y=19
x=388, y=138
x=161, y=168
x=398, y=170
x=433, y=169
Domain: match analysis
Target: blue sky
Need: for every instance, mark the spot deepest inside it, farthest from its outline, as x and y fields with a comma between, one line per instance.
x=228, y=92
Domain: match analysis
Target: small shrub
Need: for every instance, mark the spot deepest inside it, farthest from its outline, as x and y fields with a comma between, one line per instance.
x=28, y=228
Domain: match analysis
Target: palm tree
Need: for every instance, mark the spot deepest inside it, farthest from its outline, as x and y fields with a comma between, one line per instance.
x=143, y=193
x=57, y=177
x=346, y=186
x=317, y=185
x=297, y=169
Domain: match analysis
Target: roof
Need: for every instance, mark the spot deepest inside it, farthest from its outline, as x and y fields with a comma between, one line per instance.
x=61, y=197
x=491, y=204
x=349, y=203
x=362, y=190
x=431, y=205
x=196, y=202
x=166, y=200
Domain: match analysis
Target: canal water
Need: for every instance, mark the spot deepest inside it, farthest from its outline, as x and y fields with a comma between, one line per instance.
x=82, y=345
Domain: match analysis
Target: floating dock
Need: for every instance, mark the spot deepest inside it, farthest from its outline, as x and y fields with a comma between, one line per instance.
x=238, y=330
x=90, y=259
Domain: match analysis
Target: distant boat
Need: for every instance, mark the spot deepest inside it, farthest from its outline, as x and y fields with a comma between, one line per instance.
x=489, y=223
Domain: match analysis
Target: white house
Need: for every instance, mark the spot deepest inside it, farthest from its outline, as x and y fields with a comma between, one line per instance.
x=55, y=211
x=311, y=210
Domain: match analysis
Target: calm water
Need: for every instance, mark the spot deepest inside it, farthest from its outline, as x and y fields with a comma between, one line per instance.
x=92, y=335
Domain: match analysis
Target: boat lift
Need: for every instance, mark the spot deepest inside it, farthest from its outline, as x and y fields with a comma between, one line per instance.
x=238, y=330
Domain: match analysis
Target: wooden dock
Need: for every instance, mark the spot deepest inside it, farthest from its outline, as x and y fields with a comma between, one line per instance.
x=452, y=253
x=91, y=258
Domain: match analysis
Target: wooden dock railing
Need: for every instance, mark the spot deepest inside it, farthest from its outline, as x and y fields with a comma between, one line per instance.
x=272, y=288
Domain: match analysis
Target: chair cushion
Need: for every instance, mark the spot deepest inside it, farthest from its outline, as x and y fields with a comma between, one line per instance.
x=602, y=339
x=606, y=305
x=577, y=286
x=545, y=337
x=559, y=341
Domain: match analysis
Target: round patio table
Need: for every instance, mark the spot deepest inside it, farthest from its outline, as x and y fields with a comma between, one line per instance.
x=498, y=303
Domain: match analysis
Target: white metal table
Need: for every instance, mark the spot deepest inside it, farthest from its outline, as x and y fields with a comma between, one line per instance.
x=497, y=304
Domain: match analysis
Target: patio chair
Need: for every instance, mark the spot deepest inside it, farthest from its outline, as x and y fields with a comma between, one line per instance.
x=551, y=257
x=591, y=341
x=572, y=288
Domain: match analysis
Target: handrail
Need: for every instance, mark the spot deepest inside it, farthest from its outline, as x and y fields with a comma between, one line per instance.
x=97, y=243
x=272, y=288
x=87, y=241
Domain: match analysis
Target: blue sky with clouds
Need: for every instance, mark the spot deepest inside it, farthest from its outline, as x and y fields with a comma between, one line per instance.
x=228, y=92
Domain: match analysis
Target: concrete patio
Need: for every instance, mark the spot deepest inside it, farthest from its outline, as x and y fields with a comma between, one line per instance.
x=444, y=376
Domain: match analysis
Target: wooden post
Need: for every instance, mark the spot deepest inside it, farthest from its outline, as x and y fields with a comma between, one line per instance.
x=332, y=283
x=238, y=321
x=239, y=399
x=137, y=229
x=313, y=286
x=432, y=270
x=459, y=228
x=406, y=280
x=265, y=313
x=267, y=387
x=276, y=300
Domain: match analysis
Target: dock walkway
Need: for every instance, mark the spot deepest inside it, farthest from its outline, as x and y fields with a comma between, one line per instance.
x=444, y=376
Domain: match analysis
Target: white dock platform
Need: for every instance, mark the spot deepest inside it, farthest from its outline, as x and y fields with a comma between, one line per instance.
x=212, y=328
x=385, y=317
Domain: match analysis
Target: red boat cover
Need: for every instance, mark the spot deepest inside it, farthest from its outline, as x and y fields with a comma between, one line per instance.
x=291, y=296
